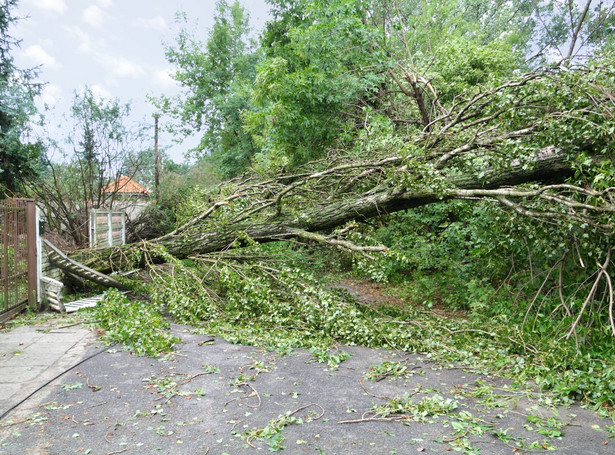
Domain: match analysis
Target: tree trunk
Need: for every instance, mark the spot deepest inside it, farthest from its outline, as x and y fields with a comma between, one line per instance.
x=549, y=167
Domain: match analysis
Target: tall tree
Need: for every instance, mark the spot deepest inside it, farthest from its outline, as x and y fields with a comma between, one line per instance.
x=217, y=76
x=18, y=156
x=329, y=65
x=99, y=149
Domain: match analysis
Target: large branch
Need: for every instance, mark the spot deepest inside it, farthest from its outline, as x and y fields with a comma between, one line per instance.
x=548, y=167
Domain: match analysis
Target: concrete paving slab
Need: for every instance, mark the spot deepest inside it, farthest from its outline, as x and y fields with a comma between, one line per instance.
x=62, y=336
x=31, y=355
x=24, y=334
x=8, y=390
x=7, y=349
x=19, y=375
x=40, y=354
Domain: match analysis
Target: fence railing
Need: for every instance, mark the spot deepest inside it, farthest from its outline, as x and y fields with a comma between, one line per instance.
x=18, y=265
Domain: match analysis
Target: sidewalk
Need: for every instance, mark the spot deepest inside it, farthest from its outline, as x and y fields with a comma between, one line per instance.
x=31, y=355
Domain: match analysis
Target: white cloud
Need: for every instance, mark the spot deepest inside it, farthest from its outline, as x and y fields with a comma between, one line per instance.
x=121, y=66
x=100, y=91
x=93, y=15
x=116, y=66
x=86, y=45
x=39, y=56
x=50, y=94
x=163, y=78
x=57, y=6
x=154, y=23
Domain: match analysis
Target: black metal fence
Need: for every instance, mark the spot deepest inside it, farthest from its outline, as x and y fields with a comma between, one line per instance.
x=17, y=256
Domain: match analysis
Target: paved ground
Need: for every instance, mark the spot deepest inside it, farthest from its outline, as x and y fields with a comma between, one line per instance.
x=212, y=397
x=32, y=355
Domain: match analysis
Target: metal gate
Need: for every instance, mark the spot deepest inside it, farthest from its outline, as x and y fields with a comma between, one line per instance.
x=18, y=268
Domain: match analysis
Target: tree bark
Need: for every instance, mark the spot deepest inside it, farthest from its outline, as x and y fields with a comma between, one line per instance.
x=549, y=167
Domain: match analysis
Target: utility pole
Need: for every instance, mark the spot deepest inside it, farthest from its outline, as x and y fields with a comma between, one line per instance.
x=156, y=160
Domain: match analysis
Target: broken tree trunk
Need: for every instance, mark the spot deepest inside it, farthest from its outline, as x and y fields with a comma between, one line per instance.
x=548, y=167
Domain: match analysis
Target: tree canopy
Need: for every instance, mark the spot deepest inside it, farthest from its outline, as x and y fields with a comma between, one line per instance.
x=217, y=76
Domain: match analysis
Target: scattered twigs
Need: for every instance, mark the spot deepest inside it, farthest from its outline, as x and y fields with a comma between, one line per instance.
x=473, y=144
x=476, y=102
x=202, y=216
x=459, y=436
x=284, y=420
x=529, y=258
x=454, y=332
x=538, y=293
x=560, y=288
x=332, y=171
x=253, y=394
x=95, y=388
x=610, y=291
x=319, y=416
x=381, y=416
x=403, y=418
x=559, y=198
x=116, y=452
x=13, y=422
x=172, y=391
x=381, y=397
x=526, y=346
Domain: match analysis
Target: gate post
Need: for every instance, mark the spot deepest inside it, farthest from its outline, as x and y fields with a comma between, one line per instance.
x=32, y=263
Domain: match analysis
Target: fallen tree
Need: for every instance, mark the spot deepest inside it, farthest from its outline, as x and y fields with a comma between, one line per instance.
x=522, y=146
x=194, y=239
x=516, y=143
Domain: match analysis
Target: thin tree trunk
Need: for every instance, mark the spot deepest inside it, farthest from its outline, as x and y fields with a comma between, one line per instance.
x=577, y=30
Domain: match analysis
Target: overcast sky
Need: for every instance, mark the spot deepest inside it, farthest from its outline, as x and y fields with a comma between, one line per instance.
x=113, y=46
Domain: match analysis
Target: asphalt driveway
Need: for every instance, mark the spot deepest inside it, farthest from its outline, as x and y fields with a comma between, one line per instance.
x=212, y=397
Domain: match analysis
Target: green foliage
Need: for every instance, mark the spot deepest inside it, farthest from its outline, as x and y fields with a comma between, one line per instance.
x=272, y=432
x=136, y=324
x=217, y=76
x=429, y=406
x=309, y=77
x=324, y=67
x=67, y=386
x=317, y=84
x=388, y=369
x=436, y=87
x=333, y=359
x=18, y=157
x=248, y=301
x=549, y=426
x=211, y=369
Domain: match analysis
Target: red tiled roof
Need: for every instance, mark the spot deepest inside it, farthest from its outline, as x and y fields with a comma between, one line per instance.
x=124, y=185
